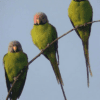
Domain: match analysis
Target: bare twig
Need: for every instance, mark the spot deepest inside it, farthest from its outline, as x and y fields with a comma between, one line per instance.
x=44, y=50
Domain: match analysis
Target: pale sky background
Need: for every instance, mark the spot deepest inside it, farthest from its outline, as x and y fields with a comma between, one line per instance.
x=16, y=22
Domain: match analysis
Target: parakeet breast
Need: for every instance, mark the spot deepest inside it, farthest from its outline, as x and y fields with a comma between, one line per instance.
x=42, y=35
x=14, y=62
x=80, y=12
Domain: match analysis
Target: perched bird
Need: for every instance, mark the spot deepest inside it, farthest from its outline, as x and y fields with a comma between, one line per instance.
x=43, y=33
x=14, y=61
x=80, y=12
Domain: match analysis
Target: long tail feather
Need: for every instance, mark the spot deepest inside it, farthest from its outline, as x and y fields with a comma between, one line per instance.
x=58, y=57
x=63, y=91
x=85, y=47
x=58, y=75
x=52, y=58
x=55, y=67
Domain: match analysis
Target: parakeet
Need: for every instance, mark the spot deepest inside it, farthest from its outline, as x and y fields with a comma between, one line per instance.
x=43, y=33
x=80, y=12
x=14, y=61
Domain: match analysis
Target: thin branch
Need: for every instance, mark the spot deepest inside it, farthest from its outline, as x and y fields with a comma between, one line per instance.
x=44, y=50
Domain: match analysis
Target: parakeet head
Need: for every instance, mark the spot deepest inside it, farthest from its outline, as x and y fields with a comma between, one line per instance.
x=40, y=18
x=14, y=46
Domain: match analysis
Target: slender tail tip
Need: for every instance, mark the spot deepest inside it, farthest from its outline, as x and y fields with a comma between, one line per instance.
x=88, y=85
x=90, y=70
x=62, y=83
x=91, y=74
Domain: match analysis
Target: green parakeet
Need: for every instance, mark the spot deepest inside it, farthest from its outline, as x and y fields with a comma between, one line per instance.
x=14, y=61
x=43, y=33
x=80, y=12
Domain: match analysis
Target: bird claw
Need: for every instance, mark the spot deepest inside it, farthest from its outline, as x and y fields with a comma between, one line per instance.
x=85, y=24
x=21, y=71
x=15, y=78
x=76, y=26
x=41, y=50
x=48, y=45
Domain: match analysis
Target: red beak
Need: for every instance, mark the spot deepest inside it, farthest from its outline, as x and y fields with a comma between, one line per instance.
x=14, y=48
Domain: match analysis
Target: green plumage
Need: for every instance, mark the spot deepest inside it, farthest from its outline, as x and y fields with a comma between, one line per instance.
x=13, y=64
x=43, y=35
x=80, y=12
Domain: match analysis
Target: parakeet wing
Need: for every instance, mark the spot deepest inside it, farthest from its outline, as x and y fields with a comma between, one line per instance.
x=7, y=81
x=54, y=36
x=23, y=82
x=76, y=29
x=56, y=44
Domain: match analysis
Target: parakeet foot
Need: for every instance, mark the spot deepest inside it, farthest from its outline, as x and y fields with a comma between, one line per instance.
x=85, y=24
x=76, y=26
x=15, y=78
x=48, y=45
x=42, y=51
x=21, y=71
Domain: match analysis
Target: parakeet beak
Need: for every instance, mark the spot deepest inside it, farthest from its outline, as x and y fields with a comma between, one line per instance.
x=38, y=21
x=14, y=48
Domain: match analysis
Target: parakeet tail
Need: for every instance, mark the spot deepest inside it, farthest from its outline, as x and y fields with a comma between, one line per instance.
x=57, y=71
x=52, y=58
x=85, y=47
x=58, y=57
x=63, y=91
